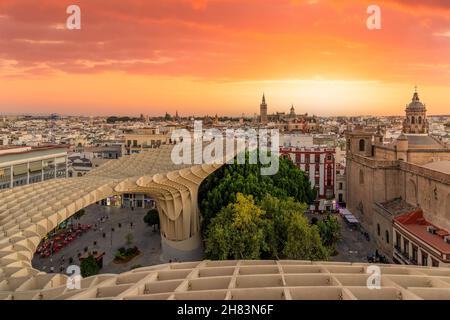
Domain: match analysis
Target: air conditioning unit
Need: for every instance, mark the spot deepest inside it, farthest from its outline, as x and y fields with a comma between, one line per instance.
x=447, y=239
x=431, y=229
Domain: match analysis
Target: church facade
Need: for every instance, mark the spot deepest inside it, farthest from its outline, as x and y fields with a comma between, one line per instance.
x=387, y=180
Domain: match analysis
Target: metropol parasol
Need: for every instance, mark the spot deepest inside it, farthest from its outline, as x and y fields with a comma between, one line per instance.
x=29, y=212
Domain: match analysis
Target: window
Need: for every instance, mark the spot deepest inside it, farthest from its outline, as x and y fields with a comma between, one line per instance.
x=406, y=247
x=413, y=120
x=378, y=229
x=420, y=120
x=362, y=145
x=387, y=236
x=424, y=259
x=341, y=186
x=414, y=254
x=434, y=263
x=398, y=240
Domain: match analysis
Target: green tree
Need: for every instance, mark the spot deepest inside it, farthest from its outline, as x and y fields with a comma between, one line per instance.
x=220, y=188
x=152, y=218
x=89, y=267
x=290, y=236
x=237, y=232
x=303, y=241
x=277, y=229
x=330, y=232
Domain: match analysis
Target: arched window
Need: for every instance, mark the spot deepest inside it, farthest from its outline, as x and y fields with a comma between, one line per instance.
x=413, y=120
x=387, y=236
x=378, y=229
x=362, y=145
x=361, y=177
x=420, y=120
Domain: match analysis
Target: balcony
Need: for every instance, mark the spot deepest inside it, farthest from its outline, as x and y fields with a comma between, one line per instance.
x=403, y=256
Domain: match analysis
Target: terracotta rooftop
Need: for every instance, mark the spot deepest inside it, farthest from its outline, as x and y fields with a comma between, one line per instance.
x=415, y=223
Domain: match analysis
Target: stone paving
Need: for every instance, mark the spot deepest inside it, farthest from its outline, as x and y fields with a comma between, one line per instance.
x=353, y=246
x=148, y=241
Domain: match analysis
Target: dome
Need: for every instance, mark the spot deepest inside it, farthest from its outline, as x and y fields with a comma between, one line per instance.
x=415, y=104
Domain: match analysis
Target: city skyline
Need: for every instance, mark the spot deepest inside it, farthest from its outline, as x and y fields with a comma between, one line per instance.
x=186, y=115
x=206, y=57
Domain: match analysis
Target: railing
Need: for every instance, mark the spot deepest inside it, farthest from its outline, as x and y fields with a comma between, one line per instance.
x=404, y=256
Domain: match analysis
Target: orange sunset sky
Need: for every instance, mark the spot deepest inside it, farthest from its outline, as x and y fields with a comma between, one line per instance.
x=219, y=56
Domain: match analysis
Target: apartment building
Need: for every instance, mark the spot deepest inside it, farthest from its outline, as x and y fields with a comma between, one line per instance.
x=140, y=139
x=419, y=242
x=319, y=165
x=25, y=165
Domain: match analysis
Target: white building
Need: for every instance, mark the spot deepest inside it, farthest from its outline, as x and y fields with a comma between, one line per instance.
x=25, y=165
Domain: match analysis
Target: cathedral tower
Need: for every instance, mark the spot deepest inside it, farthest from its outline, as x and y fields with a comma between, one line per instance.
x=416, y=116
x=263, y=111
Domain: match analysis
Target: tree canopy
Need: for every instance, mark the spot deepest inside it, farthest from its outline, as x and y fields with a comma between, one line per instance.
x=330, y=231
x=275, y=229
x=89, y=267
x=152, y=218
x=237, y=232
x=221, y=187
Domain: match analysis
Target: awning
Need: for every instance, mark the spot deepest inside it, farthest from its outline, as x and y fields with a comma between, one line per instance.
x=35, y=166
x=20, y=169
x=348, y=216
x=60, y=160
x=351, y=219
x=345, y=212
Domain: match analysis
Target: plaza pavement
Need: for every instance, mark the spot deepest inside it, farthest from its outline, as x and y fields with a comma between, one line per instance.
x=148, y=242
